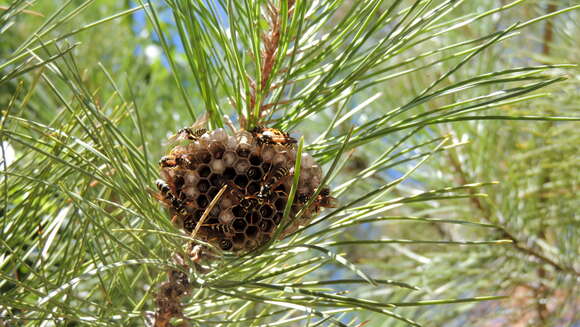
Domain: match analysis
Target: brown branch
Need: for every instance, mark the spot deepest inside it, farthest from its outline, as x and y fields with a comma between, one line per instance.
x=542, y=290
x=271, y=41
x=518, y=245
x=267, y=106
x=169, y=297
x=549, y=30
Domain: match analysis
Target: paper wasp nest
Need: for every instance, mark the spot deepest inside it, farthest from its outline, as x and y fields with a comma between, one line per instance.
x=257, y=169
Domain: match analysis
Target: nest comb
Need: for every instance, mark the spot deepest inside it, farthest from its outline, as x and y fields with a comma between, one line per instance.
x=258, y=169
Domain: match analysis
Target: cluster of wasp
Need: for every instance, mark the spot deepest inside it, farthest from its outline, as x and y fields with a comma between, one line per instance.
x=231, y=190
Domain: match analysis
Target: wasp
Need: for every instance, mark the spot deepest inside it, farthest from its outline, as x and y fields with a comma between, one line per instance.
x=168, y=197
x=192, y=134
x=254, y=173
x=218, y=232
x=265, y=193
x=223, y=228
x=168, y=161
x=265, y=226
x=274, y=181
x=163, y=188
x=249, y=202
x=226, y=245
x=267, y=135
x=178, y=183
x=322, y=200
x=325, y=200
x=172, y=161
x=188, y=133
x=303, y=198
x=278, y=174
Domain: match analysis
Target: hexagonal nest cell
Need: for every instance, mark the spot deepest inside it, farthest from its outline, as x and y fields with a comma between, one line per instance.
x=257, y=169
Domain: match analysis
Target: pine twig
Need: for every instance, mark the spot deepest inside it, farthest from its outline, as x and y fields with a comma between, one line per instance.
x=518, y=244
x=171, y=292
x=549, y=30
x=542, y=290
x=271, y=41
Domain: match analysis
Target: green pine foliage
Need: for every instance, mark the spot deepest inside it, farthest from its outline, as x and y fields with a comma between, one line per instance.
x=447, y=130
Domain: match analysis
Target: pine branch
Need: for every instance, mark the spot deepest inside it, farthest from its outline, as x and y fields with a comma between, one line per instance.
x=486, y=215
x=388, y=91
